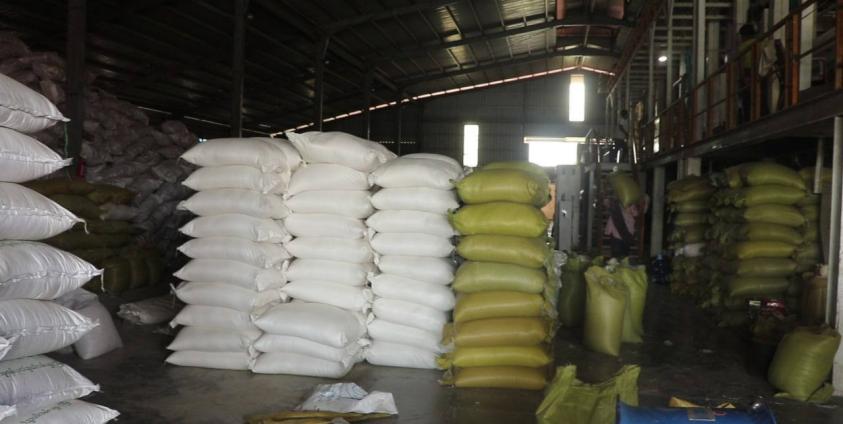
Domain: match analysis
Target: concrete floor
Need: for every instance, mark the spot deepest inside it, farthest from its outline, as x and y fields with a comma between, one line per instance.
x=684, y=355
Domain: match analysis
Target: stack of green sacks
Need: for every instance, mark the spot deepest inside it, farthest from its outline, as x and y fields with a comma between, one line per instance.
x=756, y=231
x=107, y=244
x=688, y=200
x=503, y=316
x=614, y=311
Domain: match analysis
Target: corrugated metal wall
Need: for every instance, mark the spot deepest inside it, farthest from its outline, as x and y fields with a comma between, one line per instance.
x=505, y=114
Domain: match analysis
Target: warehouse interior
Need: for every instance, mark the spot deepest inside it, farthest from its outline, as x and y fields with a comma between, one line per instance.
x=553, y=211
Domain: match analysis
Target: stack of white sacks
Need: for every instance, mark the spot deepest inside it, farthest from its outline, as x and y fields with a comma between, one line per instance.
x=32, y=275
x=237, y=254
x=412, y=237
x=321, y=333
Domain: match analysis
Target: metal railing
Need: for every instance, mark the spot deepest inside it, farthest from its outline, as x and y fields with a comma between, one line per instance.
x=736, y=94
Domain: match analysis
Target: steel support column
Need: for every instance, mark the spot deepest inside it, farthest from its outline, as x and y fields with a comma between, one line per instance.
x=834, y=307
x=319, y=85
x=698, y=65
x=76, y=32
x=668, y=93
x=651, y=85
x=367, y=103
x=818, y=167
x=399, y=117
x=657, y=212
x=238, y=71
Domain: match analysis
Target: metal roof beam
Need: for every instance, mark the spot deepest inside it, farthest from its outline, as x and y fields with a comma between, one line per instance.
x=648, y=16
x=571, y=21
x=388, y=13
x=519, y=60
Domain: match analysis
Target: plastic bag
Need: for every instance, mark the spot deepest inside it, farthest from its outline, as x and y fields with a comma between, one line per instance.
x=570, y=401
x=606, y=302
x=474, y=277
x=503, y=218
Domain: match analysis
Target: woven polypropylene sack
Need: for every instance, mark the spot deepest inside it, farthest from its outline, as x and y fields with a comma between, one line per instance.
x=227, y=296
x=338, y=272
x=238, y=177
x=400, y=355
x=350, y=203
x=260, y=153
x=27, y=215
x=238, y=226
x=606, y=301
x=416, y=199
x=324, y=225
x=30, y=270
x=489, y=276
x=39, y=380
x=503, y=218
x=79, y=205
x=327, y=176
x=410, y=314
x=214, y=339
x=357, y=299
x=40, y=326
x=760, y=231
x=741, y=287
x=500, y=356
x=504, y=185
x=405, y=244
x=498, y=304
x=524, y=251
x=635, y=279
x=501, y=331
x=775, y=214
x=572, y=293
x=237, y=361
x=803, y=361
x=213, y=317
x=625, y=188
x=420, y=268
x=765, y=267
x=349, y=354
x=324, y=324
x=765, y=173
x=416, y=172
x=331, y=248
x=762, y=249
x=263, y=255
x=433, y=295
x=295, y=364
x=527, y=167
x=23, y=158
x=234, y=201
x=396, y=221
x=67, y=411
x=768, y=195
x=500, y=378
x=100, y=340
x=23, y=109
x=569, y=400
x=232, y=272
x=340, y=148
x=383, y=330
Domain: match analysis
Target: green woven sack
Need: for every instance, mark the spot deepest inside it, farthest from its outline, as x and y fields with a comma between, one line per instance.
x=116, y=276
x=810, y=212
x=765, y=267
x=138, y=270
x=570, y=401
x=756, y=286
x=635, y=279
x=524, y=251
x=605, y=309
x=155, y=268
x=625, y=188
x=761, y=231
x=504, y=185
x=94, y=256
x=808, y=173
x=733, y=176
x=474, y=277
x=762, y=249
x=775, y=214
x=75, y=240
x=766, y=173
x=767, y=195
x=79, y=205
x=695, y=193
x=528, y=167
x=803, y=361
x=53, y=186
x=572, y=293
x=690, y=206
x=104, y=193
x=110, y=227
x=689, y=219
x=503, y=218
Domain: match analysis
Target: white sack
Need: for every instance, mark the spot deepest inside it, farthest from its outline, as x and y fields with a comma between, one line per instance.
x=76, y=299
x=345, y=273
x=324, y=324
x=23, y=158
x=330, y=248
x=433, y=295
x=40, y=326
x=231, y=272
x=406, y=244
x=207, y=339
x=455, y=166
x=23, y=109
x=100, y=340
x=27, y=215
x=238, y=177
x=226, y=201
x=416, y=199
x=324, y=225
x=351, y=203
x=155, y=310
x=38, y=380
x=289, y=344
x=386, y=331
x=7, y=411
x=410, y=314
x=237, y=225
x=214, y=317
x=30, y=270
x=420, y=268
x=398, y=355
x=227, y=296
x=327, y=176
x=342, y=296
x=255, y=152
x=415, y=172
x=340, y=148
x=262, y=255
x=294, y=364
x=219, y=360
x=396, y=221
x=64, y=412
x=5, y=346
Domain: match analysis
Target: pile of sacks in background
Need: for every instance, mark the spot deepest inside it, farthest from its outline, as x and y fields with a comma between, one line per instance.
x=237, y=258
x=756, y=233
x=688, y=204
x=412, y=236
x=35, y=276
x=505, y=311
x=322, y=332
x=107, y=239
x=119, y=146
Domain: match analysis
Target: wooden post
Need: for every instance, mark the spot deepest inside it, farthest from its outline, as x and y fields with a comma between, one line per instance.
x=76, y=33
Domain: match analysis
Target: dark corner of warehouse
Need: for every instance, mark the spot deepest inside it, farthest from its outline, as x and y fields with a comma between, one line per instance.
x=421, y=211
